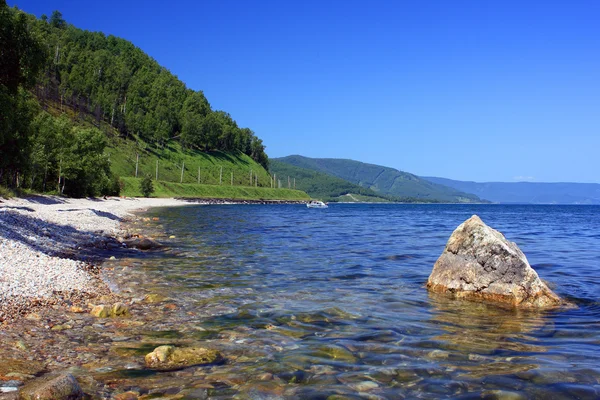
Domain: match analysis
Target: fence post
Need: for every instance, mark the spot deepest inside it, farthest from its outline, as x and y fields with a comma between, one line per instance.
x=231, y=178
x=157, y=169
x=137, y=160
x=198, y=175
x=59, y=171
x=221, y=176
x=182, y=167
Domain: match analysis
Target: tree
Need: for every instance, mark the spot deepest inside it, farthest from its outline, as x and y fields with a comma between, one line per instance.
x=86, y=168
x=57, y=21
x=146, y=186
x=21, y=58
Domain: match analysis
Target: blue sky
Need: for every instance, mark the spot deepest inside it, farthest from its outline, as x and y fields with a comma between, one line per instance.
x=470, y=90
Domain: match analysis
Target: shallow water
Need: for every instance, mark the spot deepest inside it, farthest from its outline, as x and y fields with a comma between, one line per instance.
x=308, y=303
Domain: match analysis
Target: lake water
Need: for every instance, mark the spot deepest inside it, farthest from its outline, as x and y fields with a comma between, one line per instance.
x=314, y=304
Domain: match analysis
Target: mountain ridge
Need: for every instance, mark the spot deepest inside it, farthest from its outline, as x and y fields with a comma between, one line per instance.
x=381, y=179
x=528, y=192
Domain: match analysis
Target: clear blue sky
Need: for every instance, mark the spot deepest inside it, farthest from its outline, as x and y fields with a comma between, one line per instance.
x=470, y=90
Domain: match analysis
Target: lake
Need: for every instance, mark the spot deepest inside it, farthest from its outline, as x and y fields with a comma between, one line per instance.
x=331, y=303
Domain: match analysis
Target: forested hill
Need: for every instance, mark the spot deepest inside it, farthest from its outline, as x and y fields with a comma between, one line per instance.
x=323, y=186
x=383, y=180
x=79, y=108
x=119, y=84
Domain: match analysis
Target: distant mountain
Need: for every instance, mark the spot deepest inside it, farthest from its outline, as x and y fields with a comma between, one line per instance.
x=382, y=180
x=322, y=186
x=528, y=192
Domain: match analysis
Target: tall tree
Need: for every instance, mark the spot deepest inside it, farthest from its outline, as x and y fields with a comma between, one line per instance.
x=21, y=58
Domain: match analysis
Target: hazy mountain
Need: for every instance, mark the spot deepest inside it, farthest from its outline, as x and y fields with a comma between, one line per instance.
x=383, y=180
x=528, y=192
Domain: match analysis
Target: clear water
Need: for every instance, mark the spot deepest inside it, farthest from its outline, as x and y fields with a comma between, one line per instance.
x=311, y=303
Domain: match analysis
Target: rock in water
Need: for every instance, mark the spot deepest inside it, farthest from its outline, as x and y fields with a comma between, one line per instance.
x=170, y=357
x=52, y=387
x=478, y=263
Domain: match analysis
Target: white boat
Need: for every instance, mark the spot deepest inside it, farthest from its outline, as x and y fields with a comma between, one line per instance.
x=316, y=204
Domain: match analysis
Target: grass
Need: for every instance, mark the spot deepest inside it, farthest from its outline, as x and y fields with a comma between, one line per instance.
x=6, y=193
x=214, y=167
x=170, y=189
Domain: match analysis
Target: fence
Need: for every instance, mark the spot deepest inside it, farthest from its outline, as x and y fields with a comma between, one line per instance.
x=180, y=172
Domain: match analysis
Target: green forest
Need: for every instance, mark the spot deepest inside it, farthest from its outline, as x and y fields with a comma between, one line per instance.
x=54, y=75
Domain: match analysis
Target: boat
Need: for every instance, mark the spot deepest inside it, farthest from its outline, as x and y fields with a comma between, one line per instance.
x=316, y=204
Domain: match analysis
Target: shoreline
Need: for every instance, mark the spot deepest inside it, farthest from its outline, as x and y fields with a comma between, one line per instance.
x=52, y=248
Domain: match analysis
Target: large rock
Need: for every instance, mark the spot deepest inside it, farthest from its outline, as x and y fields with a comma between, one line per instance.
x=171, y=357
x=478, y=263
x=52, y=387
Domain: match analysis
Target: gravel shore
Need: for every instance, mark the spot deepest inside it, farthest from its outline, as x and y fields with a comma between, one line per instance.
x=41, y=240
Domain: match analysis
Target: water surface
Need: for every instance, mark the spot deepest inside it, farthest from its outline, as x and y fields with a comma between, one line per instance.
x=310, y=303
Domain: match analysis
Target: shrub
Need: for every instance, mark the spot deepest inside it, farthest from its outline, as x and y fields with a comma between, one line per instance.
x=146, y=186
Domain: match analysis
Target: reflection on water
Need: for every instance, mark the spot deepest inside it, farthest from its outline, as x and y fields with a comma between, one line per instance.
x=324, y=303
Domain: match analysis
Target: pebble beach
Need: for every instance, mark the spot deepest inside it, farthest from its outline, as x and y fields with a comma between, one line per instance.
x=42, y=247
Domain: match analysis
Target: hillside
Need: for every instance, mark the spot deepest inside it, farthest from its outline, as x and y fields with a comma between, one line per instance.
x=81, y=110
x=322, y=186
x=528, y=192
x=382, y=180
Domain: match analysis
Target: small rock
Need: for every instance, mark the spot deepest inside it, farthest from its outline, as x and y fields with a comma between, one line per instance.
x=52, y=387
x=172, y=237
x=33, y=317
x=21, y=345
x=154, y=298
x=502, y=395
x=142, y=243
x=19, y=376
x=171, y=357
x=112, y=258
x=127, y=396
x=119, y=310
x=58, y=328
x=364, y=386
x=76, y=309
x=101, y=311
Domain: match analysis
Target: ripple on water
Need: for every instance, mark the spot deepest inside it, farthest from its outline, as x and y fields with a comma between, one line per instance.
x=319, y=305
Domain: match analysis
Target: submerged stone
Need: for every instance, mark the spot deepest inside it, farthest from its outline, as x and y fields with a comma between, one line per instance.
x=478, y=263
x=171, y=357
x=119, y=310
x=154, y=298
x=116, y=310
x=101, y=311
x=143, y=243
x=52, y=387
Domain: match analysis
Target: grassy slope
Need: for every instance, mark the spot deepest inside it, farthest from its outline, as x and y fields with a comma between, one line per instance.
x=122, y=153
x=381, y=179
x=322, y=186
x=171, y=158
x=170, y=189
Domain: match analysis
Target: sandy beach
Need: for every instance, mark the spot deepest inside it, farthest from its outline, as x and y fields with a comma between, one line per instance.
x=42, y=247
